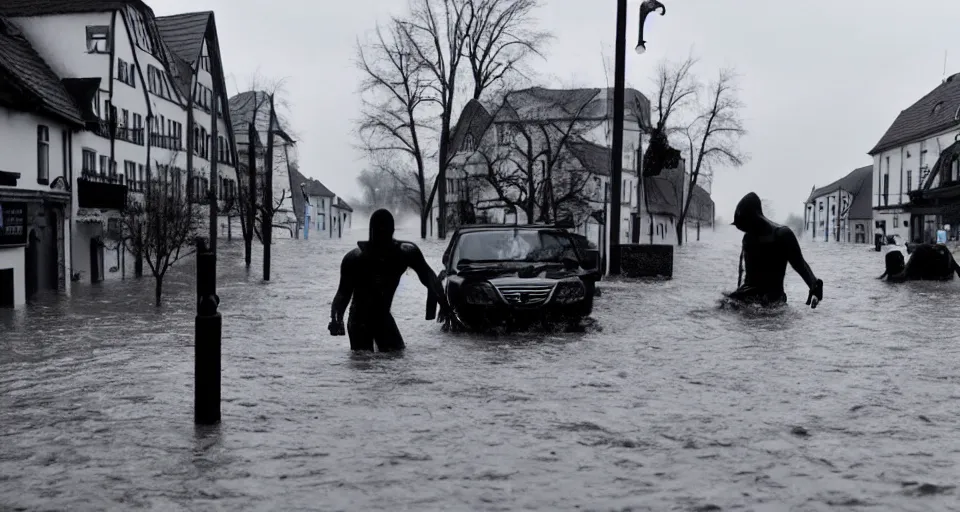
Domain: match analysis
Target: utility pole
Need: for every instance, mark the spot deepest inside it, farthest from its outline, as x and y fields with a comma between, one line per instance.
x=616, y=164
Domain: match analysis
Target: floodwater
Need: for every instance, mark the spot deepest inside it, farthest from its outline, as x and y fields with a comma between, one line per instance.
x=669, y=404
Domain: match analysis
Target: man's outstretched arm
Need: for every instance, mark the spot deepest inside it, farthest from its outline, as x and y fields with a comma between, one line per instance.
x=345, y=290
x=429, y=279
x=795, y=257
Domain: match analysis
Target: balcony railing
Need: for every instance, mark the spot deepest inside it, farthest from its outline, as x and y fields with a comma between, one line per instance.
x=103, y=191
x=165, y=141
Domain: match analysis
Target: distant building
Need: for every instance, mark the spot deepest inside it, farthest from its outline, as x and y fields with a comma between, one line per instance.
x=650, y=207
x=915, y=171
x=330, y=215
x=841, y=211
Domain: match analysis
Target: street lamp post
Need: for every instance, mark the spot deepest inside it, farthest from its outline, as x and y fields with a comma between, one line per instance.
x=616, y=165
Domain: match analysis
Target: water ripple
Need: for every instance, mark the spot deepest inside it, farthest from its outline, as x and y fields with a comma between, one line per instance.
x=665, y=403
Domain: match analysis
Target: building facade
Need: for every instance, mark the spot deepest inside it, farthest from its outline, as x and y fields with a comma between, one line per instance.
x=903, y=160
x=841, y=211
x=135, y=93
x=38, y=122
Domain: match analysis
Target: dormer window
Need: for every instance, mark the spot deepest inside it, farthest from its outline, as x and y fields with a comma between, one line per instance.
x=468, y=143
x=98, y=39
x=937, y=107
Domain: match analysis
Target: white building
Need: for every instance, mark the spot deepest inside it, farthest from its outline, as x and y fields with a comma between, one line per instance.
x=38, y=119
x=580, y=123
x=254, y=107
x=905, y=155
x=841, y=211
x=134, y=91
x=330, y=215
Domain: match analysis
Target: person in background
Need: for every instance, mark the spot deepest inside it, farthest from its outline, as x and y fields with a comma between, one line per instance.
x=369, y=275
x=942, y=235
x=767, y=248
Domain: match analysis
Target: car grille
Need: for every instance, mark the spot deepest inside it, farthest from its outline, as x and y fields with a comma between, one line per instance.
x=525, y=294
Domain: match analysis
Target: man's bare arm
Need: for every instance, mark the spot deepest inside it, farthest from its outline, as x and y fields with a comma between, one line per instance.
x=345, y=290
x=429, y=279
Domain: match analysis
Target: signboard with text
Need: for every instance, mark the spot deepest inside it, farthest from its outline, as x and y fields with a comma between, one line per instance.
x=13, y=224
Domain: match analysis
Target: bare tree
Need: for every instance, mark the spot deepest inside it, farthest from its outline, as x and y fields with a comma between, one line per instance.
x=718, y=129
x=260, y=109
x=501, y=38
x=531, y=167
x=160, y=227
x=391, y=127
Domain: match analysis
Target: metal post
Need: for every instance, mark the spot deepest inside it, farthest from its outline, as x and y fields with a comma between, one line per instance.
x=616, y=164
x=207, y=338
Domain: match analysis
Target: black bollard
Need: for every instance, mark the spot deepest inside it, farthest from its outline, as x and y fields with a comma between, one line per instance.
x=206, y=406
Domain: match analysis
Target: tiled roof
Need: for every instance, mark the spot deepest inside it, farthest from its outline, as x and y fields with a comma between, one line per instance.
x=30, y=72
x=594, y=158
x=184, y=33
x=539, y=103
x=924, y=118
x=860, y=184
x=343, y=205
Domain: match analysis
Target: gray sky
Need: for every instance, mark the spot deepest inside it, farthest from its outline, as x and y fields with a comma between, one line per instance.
x=821, y=84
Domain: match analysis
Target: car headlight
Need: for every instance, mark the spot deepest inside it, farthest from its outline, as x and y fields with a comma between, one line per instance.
x=479, y=293
x=569, y=291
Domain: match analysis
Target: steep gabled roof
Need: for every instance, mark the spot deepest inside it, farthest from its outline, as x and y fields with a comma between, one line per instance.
x=23, y=8
x=311, y=187
x=242, y=107
x=24, y=67
x=859, y=183
x=185, y=33
x=474, y=121
x=341, y=204
x=924, y=118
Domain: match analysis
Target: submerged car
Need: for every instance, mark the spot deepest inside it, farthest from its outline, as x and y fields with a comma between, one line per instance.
x=506, y=274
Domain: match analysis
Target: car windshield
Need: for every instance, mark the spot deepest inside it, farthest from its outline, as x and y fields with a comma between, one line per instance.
x=514, y=245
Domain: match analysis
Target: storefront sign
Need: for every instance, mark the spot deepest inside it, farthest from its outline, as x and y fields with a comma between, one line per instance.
x=13, y=224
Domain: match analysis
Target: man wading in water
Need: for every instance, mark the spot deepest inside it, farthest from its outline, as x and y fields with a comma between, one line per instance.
x=370, y=275
x=767, y=248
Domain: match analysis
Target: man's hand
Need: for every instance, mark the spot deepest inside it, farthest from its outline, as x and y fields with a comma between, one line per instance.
x=816, y=294
x=336, y=327
x=445, y=317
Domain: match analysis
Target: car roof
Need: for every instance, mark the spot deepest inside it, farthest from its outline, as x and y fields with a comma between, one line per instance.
x=504, y=227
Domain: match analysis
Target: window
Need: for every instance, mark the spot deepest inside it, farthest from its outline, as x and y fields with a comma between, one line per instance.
x=96, y=103
x=137, y=129
x=43, y=155
x=141, y=175
x=205, y=63
x=886, y=189
x=104, y=161
x=909, y=181
x=126, y=72
x=98, y=39
x=130, y=172
x=89, y=161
